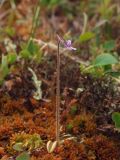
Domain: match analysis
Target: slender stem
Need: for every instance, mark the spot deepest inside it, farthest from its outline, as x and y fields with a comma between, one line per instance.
x=58, y=97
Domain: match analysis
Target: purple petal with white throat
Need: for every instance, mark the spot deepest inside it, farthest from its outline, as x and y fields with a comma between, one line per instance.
x=68, y=43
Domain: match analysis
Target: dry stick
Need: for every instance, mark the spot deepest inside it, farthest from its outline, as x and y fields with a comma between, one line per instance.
x=58, y=96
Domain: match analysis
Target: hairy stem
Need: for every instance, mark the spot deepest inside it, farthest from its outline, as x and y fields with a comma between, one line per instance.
x=58, y=97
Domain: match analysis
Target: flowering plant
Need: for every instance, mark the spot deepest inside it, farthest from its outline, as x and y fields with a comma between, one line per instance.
x=68, y=45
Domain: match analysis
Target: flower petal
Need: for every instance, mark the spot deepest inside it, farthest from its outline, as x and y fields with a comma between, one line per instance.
x=72, y=48
x=68, y=43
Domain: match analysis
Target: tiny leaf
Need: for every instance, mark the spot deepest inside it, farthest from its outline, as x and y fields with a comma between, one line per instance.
x=105, y=59
x=18, y=146
x=25, y=53
x=86, y=36
x=113, y=74
x=10, y=31
x=4, y=66
x=11, y=58
x=69, y=127
x=109, y=45
x=32, y=47
x=116, y=119
x=23, y=156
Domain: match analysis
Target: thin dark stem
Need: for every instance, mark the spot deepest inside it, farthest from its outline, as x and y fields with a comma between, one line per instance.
x=58, y=97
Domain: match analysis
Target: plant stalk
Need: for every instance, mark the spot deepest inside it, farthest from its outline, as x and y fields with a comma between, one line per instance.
x=58, y=96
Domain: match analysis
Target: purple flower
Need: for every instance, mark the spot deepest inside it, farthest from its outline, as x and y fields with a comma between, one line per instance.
x=66, y=43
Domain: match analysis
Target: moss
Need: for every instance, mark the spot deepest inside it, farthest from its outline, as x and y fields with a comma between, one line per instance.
x=16, y=119
x=69, y=127
x=83, y=123
x=103, y=147
x=73, y=110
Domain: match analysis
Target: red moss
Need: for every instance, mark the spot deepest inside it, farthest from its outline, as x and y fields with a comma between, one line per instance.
x=16, y=118
x=72, y=151
x=103, y=147
x=11, y=106
x=83, y=123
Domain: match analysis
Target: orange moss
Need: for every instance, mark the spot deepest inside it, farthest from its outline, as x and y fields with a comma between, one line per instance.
x=10, y=124
x=50, y=157
x=11, y=106
x=103, y=147
x=5, y=130
x=72, y=151
x=83, y=123
x=15, y=118
x=2, y=152
x=69, y=150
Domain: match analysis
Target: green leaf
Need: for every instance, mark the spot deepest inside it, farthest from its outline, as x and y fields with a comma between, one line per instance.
x=54, y=2
x=50, y=2
x=86, y=36
x=25, y=53
x=73, y=110
x=69, y=127
x=23, y=156
x=32, y=47
x=4, y=66
x=18, y=146
x=107, y=68
x=105, y=59
x=45, y=2
x=11, y=58
x=10, y=31
x=109, y=45
x=116, y=119
x=113, y=74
